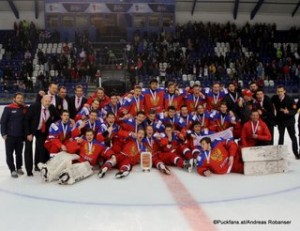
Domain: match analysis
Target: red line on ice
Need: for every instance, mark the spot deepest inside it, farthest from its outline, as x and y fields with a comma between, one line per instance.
x=193, y=213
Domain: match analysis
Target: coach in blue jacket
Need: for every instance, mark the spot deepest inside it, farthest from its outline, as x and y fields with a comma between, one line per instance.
x=13, y=132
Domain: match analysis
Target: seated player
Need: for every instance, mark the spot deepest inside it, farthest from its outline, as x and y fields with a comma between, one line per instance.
x=151, y=142
x=127, y=158
x=84, y=113
x=170, y=117
x=60, y=133
x=92, y=123
x=202, y=116
x=255, y=132
x=108, y=131
x=172, y=150
x=90, y=152
x=219, y=157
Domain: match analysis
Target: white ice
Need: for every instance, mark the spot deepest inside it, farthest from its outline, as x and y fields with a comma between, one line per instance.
x=142, y=201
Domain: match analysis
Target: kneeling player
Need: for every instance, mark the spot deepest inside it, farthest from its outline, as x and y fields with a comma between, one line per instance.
x=219, y=156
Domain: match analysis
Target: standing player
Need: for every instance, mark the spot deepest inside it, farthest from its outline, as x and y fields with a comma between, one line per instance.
x=154, y=97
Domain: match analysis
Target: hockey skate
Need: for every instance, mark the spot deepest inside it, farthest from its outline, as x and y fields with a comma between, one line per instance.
x=63, y=178
x=122, y=174
x=102, y=172
x=164, y=169
x=188, y=165
x=44, y=171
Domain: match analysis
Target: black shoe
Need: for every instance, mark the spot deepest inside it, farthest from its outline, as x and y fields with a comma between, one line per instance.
x=297, y=157
x=29, y=174
x=36, y=169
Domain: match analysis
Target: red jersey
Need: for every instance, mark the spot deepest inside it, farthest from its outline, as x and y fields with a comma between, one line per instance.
x=260, y=129
x=92, y=151
x=154, y=100
x=216, y=160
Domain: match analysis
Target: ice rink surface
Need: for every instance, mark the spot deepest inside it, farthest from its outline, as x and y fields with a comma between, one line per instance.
x=152, y=201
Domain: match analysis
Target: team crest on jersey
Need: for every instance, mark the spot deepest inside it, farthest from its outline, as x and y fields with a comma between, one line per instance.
x=217, y=155
x=154, y=100
x=133, y=151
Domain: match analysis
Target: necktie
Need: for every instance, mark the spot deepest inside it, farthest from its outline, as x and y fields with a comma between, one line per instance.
x=43, y=128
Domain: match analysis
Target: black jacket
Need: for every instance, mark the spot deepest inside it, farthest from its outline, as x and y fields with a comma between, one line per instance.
x=33, y=118
x=72, y=107
x=268, y=114
x=58, y=101
x=13, y=120
x=289, y=103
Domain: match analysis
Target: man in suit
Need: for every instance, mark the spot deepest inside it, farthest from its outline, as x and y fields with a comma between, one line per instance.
x=38, y=119
x=62, y=94
x=56, y=101
x=286, y=110
x=76, y=102
x=265, y=108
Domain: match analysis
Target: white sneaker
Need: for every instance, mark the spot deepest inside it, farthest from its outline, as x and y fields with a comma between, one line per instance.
x=14, y=174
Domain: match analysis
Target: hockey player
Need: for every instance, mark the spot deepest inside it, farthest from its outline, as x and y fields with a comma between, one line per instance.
x=202, y=116
x=60, y=134
x=194, y=99
x=151, y=142
x=92, y=123
x=108, y=131
x=173, y=97
x=127, y=158
x=170, y=117
x=255, y=132
x=100, y=96
x=154, y=97
x=153, y=120
x=133, y=103
x=214, y=97
x=113, y=106
x=187, y=117
x=91, y=150
x=172, y=149
x=220, y=157
x=223, y=120
x=85, y=111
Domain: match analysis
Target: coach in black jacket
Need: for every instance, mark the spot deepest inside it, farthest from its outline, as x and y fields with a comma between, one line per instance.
x=13, y=132
x=265, y=107
x=38, y=120
x=286, y=110
x=52, y=91
x=76, y=102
